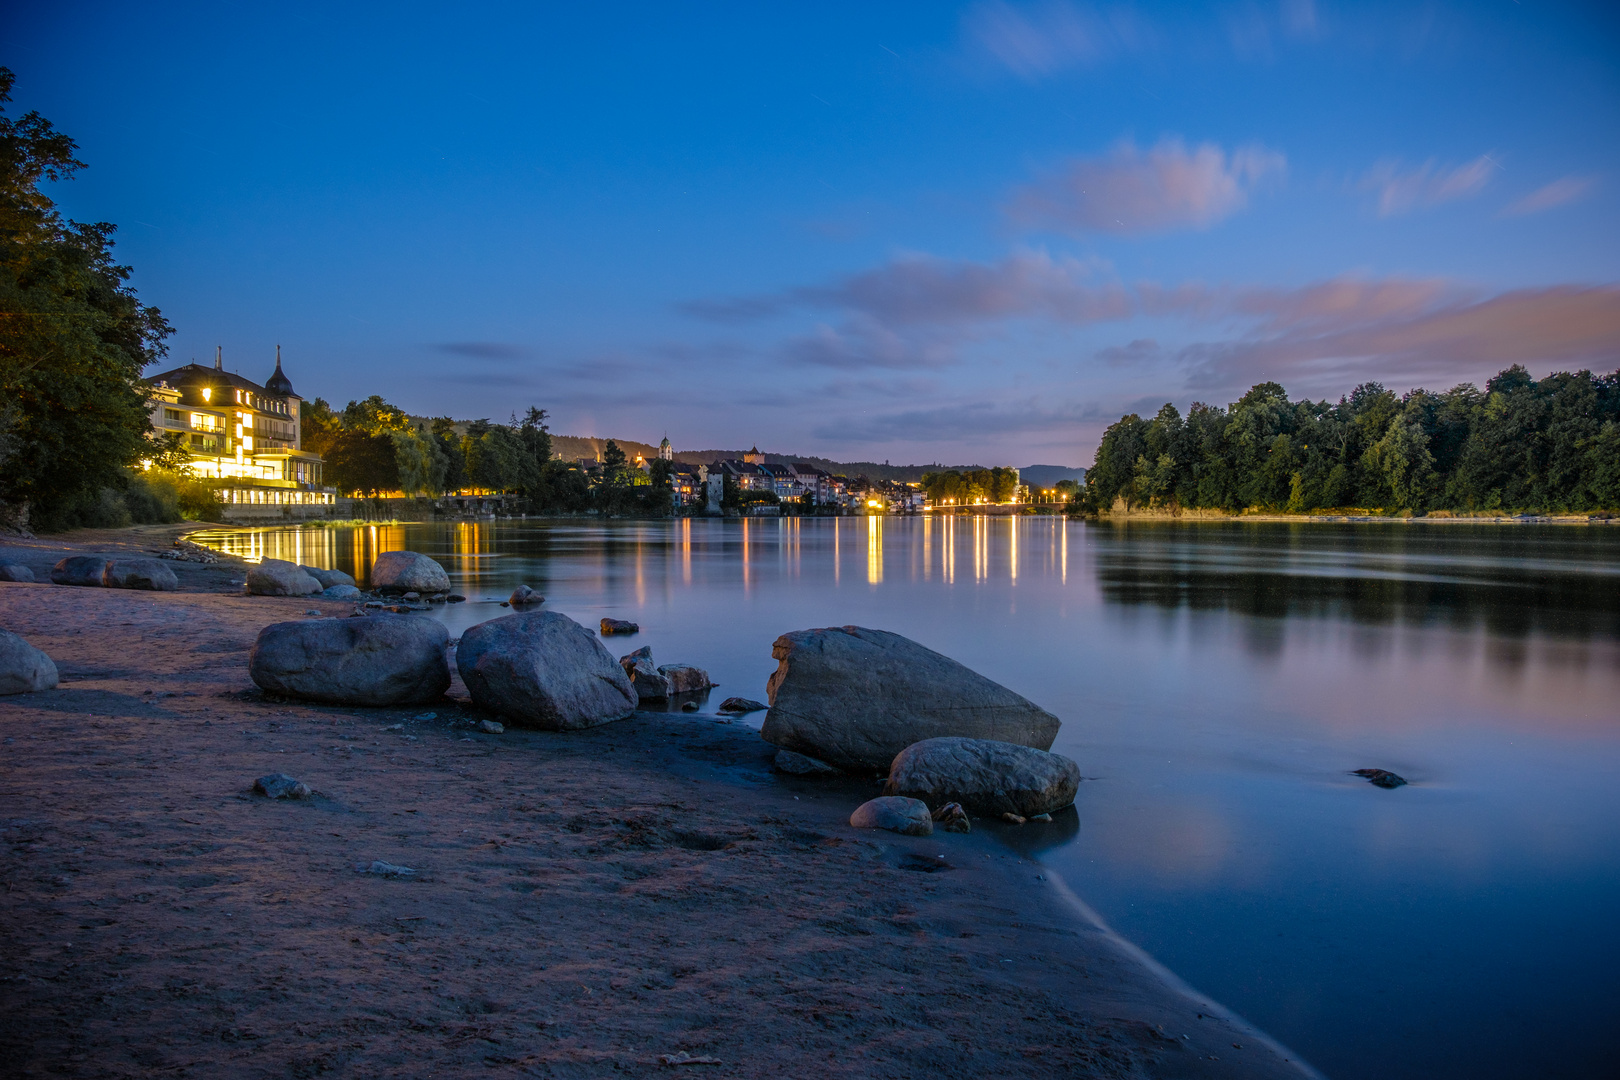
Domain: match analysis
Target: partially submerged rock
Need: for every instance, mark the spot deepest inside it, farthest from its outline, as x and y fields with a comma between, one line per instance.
x=985, y=776
x=23, y=668
x=1381, y=778
x=619, y=626
x=377, y=660
x=15, y=571
x=524, y=595
x=79, y=570
x=799, y=765
x=648, y=683
x=139, y=574
x=407, y=571
x=329, y=578
x=341, y=592
x=281, y=786
x=684, y=678
x=741, y=705
x=855, y=698
x=275, y=577
x=542, y=669
x=907, y=816
x=952, y=818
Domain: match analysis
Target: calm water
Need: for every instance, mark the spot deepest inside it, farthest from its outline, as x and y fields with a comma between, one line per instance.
x=1217, y=682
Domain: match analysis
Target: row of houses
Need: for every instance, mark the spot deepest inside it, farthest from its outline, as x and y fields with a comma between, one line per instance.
x=797, y=481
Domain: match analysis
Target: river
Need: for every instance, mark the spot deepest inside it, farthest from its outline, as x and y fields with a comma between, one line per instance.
x=1218, y=682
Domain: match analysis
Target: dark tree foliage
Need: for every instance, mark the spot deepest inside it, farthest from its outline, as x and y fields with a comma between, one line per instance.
x=73, y=341
x=975, y=485
x=1519, y=445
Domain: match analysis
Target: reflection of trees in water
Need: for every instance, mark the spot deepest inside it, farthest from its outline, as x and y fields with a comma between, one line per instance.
x=1501, y=599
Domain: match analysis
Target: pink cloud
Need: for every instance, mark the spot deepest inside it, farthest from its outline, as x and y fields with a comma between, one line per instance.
x=1402, y=191
x=1558, y=193
x=1132, y=191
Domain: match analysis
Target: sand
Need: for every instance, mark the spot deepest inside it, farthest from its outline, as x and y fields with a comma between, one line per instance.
x=583, y=904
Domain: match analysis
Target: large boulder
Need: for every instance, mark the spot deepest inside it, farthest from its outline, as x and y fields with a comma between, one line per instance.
x=649, y=684
x=274, y=577
x=855, y=698
x=542, y=669
x=79, y=570
x=23, y=668
x=328, y=578
x=139, y=574
x=684, y=678
x=987, y=777
x=15, y=571
x=406, y=571
x=372, y=660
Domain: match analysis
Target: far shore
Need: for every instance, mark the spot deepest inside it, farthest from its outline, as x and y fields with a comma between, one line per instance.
x=582, y=904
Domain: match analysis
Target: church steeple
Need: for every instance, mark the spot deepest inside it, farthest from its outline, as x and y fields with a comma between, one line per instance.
x=279, y=383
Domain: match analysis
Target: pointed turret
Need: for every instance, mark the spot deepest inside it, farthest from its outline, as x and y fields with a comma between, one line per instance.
x=279, y=383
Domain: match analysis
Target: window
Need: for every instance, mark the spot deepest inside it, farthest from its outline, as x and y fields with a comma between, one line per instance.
x=174, y=415
x=204, y=422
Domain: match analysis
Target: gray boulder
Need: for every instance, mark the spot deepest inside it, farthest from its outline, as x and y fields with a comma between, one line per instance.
x=524, y=595
x=275, y=577
x=373, y=660
x=649, y=684
x=328, y=578
x=906, y=816
x=341, y=592
x=23, y=668
x=13, y=571
x=139, y=574
x=406, y=571
x=542, y=669
x=987, y=777
x=741, y=705
x=684, y=678
x=855, y=698
x=79, y=570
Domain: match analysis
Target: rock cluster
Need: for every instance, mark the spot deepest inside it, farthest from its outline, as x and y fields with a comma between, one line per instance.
x=855, y=698
x=661, y=683
x=79, y=570
x=542, y=669
x=984, y=776
x=524, y=595
x=23, y=668
x=406, y=571
x=373, y=660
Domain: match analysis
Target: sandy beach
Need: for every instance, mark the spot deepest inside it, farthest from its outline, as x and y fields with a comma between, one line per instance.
x=583, y=904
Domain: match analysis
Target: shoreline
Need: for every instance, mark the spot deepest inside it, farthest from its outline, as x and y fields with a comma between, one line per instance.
x=584, y=902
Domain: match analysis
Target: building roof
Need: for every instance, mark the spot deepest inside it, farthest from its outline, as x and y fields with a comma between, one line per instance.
x=279, y=383
x=212, y=376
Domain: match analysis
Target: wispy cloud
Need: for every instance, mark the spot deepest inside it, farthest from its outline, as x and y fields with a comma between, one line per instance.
x=483, y=350
x=1400, y=190
x=1133, y=191
x=1560, y=192
x=1034, y=41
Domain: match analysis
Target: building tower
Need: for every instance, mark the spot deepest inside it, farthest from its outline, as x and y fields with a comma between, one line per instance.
x=754, y=457
x=666, y=452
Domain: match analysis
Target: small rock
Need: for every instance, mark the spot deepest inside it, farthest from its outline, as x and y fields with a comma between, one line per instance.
x=274, y=577
x=374, y=603
x=455, y=598
x=385, y=869
x=1041, y=817
x=281, y=786
x=1381, y=778
x=1012, y=819
x=341, y=592
x=681, y=1057
x=690, y=706
x=436, y=598
x=952, y=818
x=10, y=571
x=619, y=626
x=506, y=603
x=394, y=727
x=407, y=571
x=23, y=668
x=411, y=596
x=684, y=678
x=328, y=578
x=650, y=685
x=742, y=705
x=490, y=727
x=525, y=595
x=426, y=716
x=909, y=817
x=79, y=570
x=798, y=764
x=311, y=611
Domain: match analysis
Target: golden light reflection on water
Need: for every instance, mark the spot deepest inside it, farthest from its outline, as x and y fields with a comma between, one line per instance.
x=874, y=550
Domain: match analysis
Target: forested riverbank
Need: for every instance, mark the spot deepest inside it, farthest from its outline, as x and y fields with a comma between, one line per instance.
x=1518, y=446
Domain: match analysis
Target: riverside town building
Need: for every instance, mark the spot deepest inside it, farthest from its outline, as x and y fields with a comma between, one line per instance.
x=240, y=431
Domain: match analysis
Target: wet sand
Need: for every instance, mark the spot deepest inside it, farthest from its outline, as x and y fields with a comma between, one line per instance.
x=582, y=905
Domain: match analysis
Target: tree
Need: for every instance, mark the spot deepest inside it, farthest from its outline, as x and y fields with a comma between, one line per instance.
x=73, y=340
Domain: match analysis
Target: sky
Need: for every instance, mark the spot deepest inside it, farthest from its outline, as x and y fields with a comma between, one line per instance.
x=912, y=232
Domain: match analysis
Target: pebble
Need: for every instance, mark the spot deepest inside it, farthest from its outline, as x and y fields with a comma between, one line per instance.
x=490, y=727
x=386, y=869
x=455, y=598
x=281, y=786
x=311, y=611
x=1041, y=817
x=1012, y=818
x=690, y=706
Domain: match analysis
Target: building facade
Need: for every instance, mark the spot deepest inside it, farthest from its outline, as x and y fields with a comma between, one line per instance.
x=242, y=432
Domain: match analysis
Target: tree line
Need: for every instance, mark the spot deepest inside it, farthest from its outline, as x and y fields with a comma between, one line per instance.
x=1519, y=445
x=965, y=487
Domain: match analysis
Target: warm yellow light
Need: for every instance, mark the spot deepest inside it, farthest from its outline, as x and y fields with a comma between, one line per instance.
x=207, y=390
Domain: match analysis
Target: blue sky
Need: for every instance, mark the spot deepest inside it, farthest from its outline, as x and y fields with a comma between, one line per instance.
x=911, y=232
